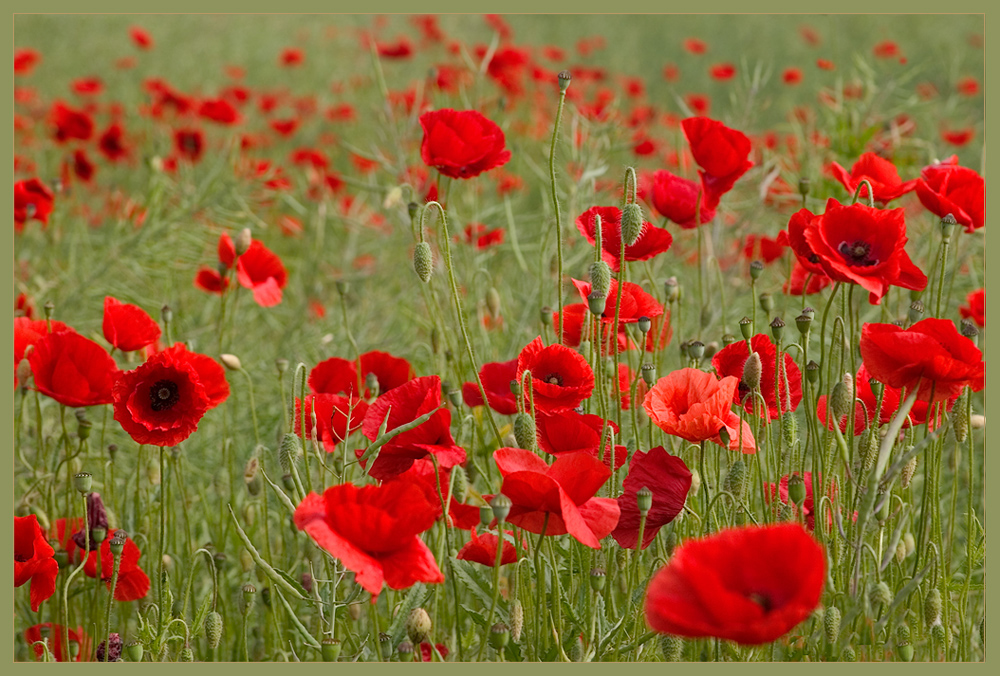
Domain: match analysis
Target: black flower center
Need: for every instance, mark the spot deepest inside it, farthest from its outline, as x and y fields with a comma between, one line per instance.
x=762, y=600
x=857, y=253
x=20, y=559
x=554, y=379
x=163, y=395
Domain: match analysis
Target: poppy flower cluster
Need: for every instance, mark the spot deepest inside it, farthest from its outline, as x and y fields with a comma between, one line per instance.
x=668, y=479
x=880, y=173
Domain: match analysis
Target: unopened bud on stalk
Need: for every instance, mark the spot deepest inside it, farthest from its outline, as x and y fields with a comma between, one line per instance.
x=804, y=186
x=939, y=632
x=766, y=303
x=880, y=595
x=252, y=478
x=501, y=505
x=486, y=515
x=418, y=625
x=289, y=452
x=751, y=371
x=281, y=365
x=672, y=647
x=900, y=552
x=597, y=303
x=696, y=350
x=631, y=223
x=644, y=500
x=840, y=398
x=777, y=329
x=648, y=374
x=423, y=261
x=117, y=544
x=746, y=328
x=83, y=482
x=564, y=79
x=242, y=241
x=166, y=314
x=231, y=362
x=960, y=418
x=524, y=432
x=454, y=396
x=597, y=579
x=600, y=278
x=736, y=479
x=545, y=315
x=24, y=371
x=493, y=302
x=644, y=324
x=696, y=477
x=756, y=268
x=213, y=629
x=932, y=607
x=869, y=448
x=831, y=624
x=460, y=483
x=672, y=289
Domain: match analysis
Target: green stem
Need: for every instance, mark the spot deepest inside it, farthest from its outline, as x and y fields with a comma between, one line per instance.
x=555, y=207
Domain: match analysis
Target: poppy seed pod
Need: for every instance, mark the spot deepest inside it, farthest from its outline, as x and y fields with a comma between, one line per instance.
x=252, y=478
x=385, y=645
x=247, y=595
x=777, y=329
x=501, y=505
x=644, y=500
x=746, y=328
x=649, y=374
x=598, y=578
x=796, y=489
x=329, y=648
x=564, y=79
x=405, y=649
x=969, y=330
x=948, y=224
x=916, y=312
x=133, y=651
x=545, y=315
x=728, y=339
x=751, y=371
x=632, y=222
x=418, y=625
x=696, y=350
x=117, y=544
x=499, y=635
x=524, y=432
x=83, y=482
x=812, y=372
x=485, y=515
x=493, y=302
x=423, y=261
x=597, y=303
x=803, y=323
x=600, y=278
x=756, y=268
x=804, y=186
x=766, y=302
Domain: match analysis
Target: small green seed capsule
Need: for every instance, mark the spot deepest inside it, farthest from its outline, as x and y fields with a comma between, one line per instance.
x=501, y=504
x=499, y=635
x=133, y=651
x=756, y=268
x=766, y=303
x=649, y=374
x=83, y=482
x=597, y=303
x=597, y=579
x=330, y=649
x=746, y=328
x=796, y=489
x=644, y=500
x=777, y=329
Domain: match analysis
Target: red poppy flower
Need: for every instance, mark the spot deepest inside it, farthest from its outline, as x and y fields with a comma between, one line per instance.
x=729, y=361
x=695, y=46
x=260, y=270
x=219, y=110
x=931, y=356
x=34, y=560
x=958, y=137
x=976, y=308
x=652, y=241
x=336, y=417
x=635, y=304
x=560, y=377
x=668, y=478
x=128, y=327
x=887, y=49
x=761, y=248
x=558, y=498
x=291, y=57
x=375, y=532
x=695, y=406
x=27, y=332
x=968, y=86
x=802, y=282
x=496, y=377
x=342, y=376
x=483, y=550
x=133, y=583
x=32, y=199
x=427, y=651
x=140, y=37
x=461, y=144
x=792, y=76
x=80, y=643
x=568, y=432
x=401, y=49
x=881, y=173
x=210, y=280
x=112, y=143
x=856, y=244
x=946, y=188
x=421, y=474
x=73, y=370
x=748, y=585
x=189, y=143
x=25, y=61
x=162, y=401
x=402, y=405
x=722, y=71
x=721, y=152
x=83, y=168
x=781, y=493
x=507, y=67
x=677, y=198
x=573, y=316
x=825, y=64
x=70, y=123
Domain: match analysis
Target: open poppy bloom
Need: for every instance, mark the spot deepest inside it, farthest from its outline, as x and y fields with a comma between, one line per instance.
x=70, y=123
x=375, y=532
x=260, y=270
x=336, y=417
x=80, y=643
x=780, y=492
x=946, y=188
x=73, y=370
x=29, y=331
x=976, y=308
x=635, y=304
x=402, y=405
x=32, y=199
x=931, y=356
x=34, y=560
x=652, y=242
x=779, y=396
x=572, y=326
x=557, y=499
x=560, y=377
x=721, y=152
x=695, y=406
x=566, y=432
x=421, y=474
x=337, y=375
x=749, y=585
x=678, y=198
x=461, y=144
x=880, y=173
x=128, y=327
x=669, y=480
x=482, y=549
x=496, y=377
x=133, y=583
x=162, y=401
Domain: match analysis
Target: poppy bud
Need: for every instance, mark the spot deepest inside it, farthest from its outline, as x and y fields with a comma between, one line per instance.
x=423, y=261
x=282, y=366
x=454, y=396
x=231, y=362
x=746, y=328
x=564, y=79
x=524, y=432
x=247, y=598
x=789, y=429
x=49, y=308
x=596, y=302
x=728, y=339
x=252, y=478
x=112, y=451
x=736, y=479
x=831, y=624
x=672, y=647
x=938, y=632
x=903, y=633
x=848, y=655
x=24, y=372
x=977, y=421
x=545, y=315
x=213, y=629
x=413, y=210
x=869, y=448
x=777, y=329
x=804, y=186
x=648, y=374
x=501, y=505
x=900, y=552
x=499, y=635
x=584, y=349
x=289, y=452
x=796, y=489
x=166, y=314
x=83, y=482
x=418, y=625
x=751, y=371
x=516, y=620
x=486, y=515
x=840, y=398
x=133, y=651
x=960, y=418
x=932, y=607
x=329, y=648
x=600, y=278
x=644, y=500
x=460, y=483
x=766, y=303
x=696, y=350
x=631, y=224
x=242, y=241
x=756, y=268
x=880, y=595
x=672, y=289
x=597, y=579
x=493, y=302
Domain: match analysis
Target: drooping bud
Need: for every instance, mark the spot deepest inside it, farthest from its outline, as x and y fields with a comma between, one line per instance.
x=213, y=629
x=166, y=314
x=564, y=79
x=524, y=432
x=418, y=625
x=840, y=398
x=499, y=635
x=282, y=365
x=290, y=451
x=252, y=478
x=423, y=261
x=83, y=429
x=736, y=479
x=751, y=371
x=746, y=328
x=501, y=505
x=672, y=647
x=493, y=302
x=696, y=478
x=631, y=223
x=231, y=362
x=789, y=429
x=83, y=482
x=831, y=624
x=756, y=268
x=766, y=303
x=932, y=607
x=880, y=595
x=644, y=500
x=777, y=329
x=596, y=302
x=242, y=241
x=787, y=512
x=187, y=654
x=516, y=620
x=600, y=277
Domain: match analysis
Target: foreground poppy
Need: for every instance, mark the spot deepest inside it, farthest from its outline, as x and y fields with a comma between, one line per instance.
x=461, y=144
x=931, y=356
x=695, y=406
x=128, y=327
x=162, y=401
x=669, y=480
x=749, y=585
x=557, y=499
x=560, y=377
x=73, y=370
x=34, y=560
x=496, y=377
x=375, y=532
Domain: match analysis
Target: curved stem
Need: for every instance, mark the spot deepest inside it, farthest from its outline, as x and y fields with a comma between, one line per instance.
x=555, y=207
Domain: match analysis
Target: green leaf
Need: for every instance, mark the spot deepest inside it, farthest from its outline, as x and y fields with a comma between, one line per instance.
x=476, y=583
x=296, y=585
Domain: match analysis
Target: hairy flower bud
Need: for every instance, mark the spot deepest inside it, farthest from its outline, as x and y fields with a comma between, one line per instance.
x=252, y=478
x=831, y=624
x=932, y=607
x=242, y=241
x=600, y=278
x=848, y=655
x=213, y=629
x=290, y=451
x=418, y=625
x=672, y=647
x=423, y=261
x=840, y=398
x=736, y=479
x=493, y=302
x=524, y=432
x=869, y=448
x=752, y=371
x=789, y=429
x=631, y=224
x=960, y=417
x=516, y=620
x=880, y=595
x=231, y=362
